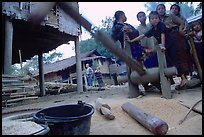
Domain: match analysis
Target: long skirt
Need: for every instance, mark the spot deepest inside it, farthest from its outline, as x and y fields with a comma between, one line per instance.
x=184, y=60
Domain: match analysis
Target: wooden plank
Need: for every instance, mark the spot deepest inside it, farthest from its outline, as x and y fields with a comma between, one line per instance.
x=16, y=88
x=10, y=80
x=11, y=76
x=16, y=96
x=16, y=85
x=11, y=89
x=165, y=84
x=20, y=99
x=23, y=93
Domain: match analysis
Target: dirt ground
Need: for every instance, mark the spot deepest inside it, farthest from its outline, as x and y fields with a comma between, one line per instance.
x=169, y=110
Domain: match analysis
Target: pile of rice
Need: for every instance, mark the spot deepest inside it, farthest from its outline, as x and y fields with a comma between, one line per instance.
x=16, y=127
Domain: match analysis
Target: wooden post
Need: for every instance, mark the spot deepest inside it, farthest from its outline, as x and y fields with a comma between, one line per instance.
x=41, y=74
x=133, y=88
x=8, y=46
x=19, y=51
x=165, y=84
x=78, y=66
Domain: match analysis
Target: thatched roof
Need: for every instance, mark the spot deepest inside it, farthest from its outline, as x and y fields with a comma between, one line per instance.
x=33, y=39
x=68, y=62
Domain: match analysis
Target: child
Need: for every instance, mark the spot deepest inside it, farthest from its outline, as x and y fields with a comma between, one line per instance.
x=143, y=28
x=196, y=33
x=197, y=37
x=148, y=43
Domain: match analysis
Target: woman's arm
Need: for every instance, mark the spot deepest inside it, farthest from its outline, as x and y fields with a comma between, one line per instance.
x=163, y=41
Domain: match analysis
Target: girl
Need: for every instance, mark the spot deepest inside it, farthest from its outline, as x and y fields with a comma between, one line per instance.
x=118, y=30
x=196, y=33
x=148, y=43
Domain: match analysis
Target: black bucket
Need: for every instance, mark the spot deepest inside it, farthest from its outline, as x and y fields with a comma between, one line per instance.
x=73, y=119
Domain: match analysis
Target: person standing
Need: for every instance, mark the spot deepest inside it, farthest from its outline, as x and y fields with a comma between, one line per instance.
x=148, y=43
x=175, y=26
x=196, y=34
x=120, y=27
x=99, y=77
x=89, y=75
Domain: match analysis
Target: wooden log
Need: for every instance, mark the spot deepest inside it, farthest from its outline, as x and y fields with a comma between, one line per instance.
x=152, y=75
x=104, y=109
x=152, y=123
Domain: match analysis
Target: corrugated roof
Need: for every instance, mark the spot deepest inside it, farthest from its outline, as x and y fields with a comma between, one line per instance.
x=194, y=18
x=68, y=62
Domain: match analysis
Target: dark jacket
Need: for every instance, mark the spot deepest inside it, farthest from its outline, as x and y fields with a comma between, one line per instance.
x=117, y=32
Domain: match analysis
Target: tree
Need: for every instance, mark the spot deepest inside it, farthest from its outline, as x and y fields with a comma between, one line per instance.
x=32, y=65
x=187, y=8
x=91, y=44
x=197, y=10
x=151, y=6
x=53, y=57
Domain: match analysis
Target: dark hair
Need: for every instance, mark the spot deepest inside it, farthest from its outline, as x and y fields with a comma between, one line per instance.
x=140, y=13
x=195, y=23
x=161, y=4
x=153, y=13
x=117, y=15
x=179, y=9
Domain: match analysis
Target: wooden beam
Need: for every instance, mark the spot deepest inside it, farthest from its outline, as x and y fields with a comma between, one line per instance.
x=8, y=46
x=41, y=74
x=78, y=66
x=165, y=84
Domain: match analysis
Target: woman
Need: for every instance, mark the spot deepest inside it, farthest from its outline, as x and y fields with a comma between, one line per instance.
x=120, y=28
x=184, y=57
x=175, y=26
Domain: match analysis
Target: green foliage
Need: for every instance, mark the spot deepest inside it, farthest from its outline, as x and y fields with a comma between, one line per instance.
x=187, y=8
x=53, y=57
x=32, y=65
x=90, y=44
x=151, y=6
x=198, y=9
